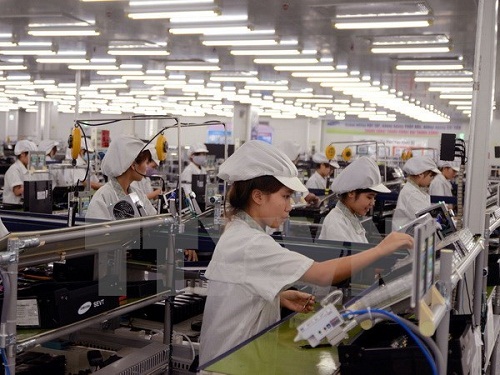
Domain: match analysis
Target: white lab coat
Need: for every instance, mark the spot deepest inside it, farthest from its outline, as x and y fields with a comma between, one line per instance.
x=316, y=181
x=15, y=175
x=342, y=225
x=110, y=193
x=186, y=174
x=411, y=200
x=3, y=230
x=247, y=272
x=143, y=185
x=440, y=186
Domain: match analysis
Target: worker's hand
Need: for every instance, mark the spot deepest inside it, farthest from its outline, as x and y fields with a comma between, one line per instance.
x=311, y=199
x=395, y=241
x=297, y=301
x=191, y=255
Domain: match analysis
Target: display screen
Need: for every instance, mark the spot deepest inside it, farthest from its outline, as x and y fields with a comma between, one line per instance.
x=442, y=216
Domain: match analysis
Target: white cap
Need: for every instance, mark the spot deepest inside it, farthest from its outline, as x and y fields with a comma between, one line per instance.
x=198, y=147
x=320, y=158
x=154, y=155
x=47, y=145
x=24, y=146
x=450, y=164
x=420, y=164
x=362, y=173
x=256, y=158
x=290, y=149
x=121, y=154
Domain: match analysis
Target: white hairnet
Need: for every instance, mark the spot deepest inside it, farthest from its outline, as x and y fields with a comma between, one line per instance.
x=455, y=165
x=47, y=145
x=290, y=149
x=362, y=173
x=121, y=154
x=24, y=146
x=420, y=164
x=198, y=147
x=256, y=158
x=320, y=158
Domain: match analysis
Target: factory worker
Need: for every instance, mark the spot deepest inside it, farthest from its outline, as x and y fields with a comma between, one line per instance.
x=292, y=150
x=48, y=146
x=197, y=161
x=13, y=188
x=441, y=184
x=357, y=185
x=413, y=197
x=125, y=161
x=324, y=169
x=74, y=175
x=3, y=230
x=250, y=273
x=145, y=184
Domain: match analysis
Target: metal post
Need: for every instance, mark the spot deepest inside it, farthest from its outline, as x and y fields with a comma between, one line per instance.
x=443, y=329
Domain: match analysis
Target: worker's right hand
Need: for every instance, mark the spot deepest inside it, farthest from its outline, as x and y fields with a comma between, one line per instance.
x=395, y=241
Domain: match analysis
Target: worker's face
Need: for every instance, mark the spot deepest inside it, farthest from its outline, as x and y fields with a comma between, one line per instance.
x=325, y=170
x=425, y=179
x=362, y=203
x=449, y=173
x=24, y=158
x=140, y=169
x=274, y=208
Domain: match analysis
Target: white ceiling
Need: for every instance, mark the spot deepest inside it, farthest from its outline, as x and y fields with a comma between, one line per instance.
x=309, y=22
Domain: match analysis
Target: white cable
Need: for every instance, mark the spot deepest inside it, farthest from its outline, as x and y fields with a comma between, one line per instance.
x=193, y=352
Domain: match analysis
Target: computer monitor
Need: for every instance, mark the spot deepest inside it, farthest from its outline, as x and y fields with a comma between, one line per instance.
x=424, y=260
x=38, y=196
x=218, y=150
x=442, y=216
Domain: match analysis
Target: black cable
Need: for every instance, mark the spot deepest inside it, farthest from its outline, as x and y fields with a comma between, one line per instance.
x=468, y=298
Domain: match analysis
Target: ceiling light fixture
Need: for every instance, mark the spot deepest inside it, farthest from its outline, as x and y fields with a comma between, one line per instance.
x=27, y=50
x=429, y=65
x=138, y=51
x=63, y=31
x=160, y=10
x=381, y=22
x=264, y=52
x=193, y=67
x=291, y=60
x=291, y=68
x=415, y=48
x=217, y=29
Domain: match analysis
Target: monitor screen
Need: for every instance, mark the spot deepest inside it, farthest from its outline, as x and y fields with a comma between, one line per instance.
x=442, y=216
x=218, y=150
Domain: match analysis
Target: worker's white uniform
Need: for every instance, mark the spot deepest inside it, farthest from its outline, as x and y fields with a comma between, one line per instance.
x=440, y=186
x=15, y=175
x=110, y=193
x=3, y=230
x=143, y=185
x=342, y=225
x=187, y=173
x=411, y=200
x=246, y=274
x=316, y=181
x=73, y=175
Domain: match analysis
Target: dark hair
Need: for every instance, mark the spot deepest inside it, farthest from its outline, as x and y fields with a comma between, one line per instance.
x=357, y=193
x=143, y=155
x=240, y=192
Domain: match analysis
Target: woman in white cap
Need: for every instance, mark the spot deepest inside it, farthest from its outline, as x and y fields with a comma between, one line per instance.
x=441, y=185
x=13, y=188
x=145, y=184
x=324, y=169
x=413, y=197
x=357, y=185
x=125, y=161
x=77, y=175
x=249, y=272
x=197, y=161
x=48, y=146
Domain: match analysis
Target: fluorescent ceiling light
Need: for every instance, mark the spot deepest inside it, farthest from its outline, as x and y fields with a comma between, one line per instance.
x=210, y=30
x=4, y=66
x=444, y=79
x=429, y=65
x=291, y=68
x=263, y=87
x=249, y=39
x=146, y=51
x=216, y=19
x=409, y=40
x=63, y=31
x=93, y=67
x=380, y=22
x=154, y=10
x=120, y=72
x=412, y=49
x=319, y=74
x=193, y=67
x=291, y=60
x=26, y=51
x=264, y=52
x=62, y=60
x=171, y=14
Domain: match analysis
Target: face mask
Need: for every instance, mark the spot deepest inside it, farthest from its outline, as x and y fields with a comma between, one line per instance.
x=151, y=171
x=200, y=160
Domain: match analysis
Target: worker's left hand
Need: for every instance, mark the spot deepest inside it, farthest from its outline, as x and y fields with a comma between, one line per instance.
x=297, y=301
x=191, y=255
